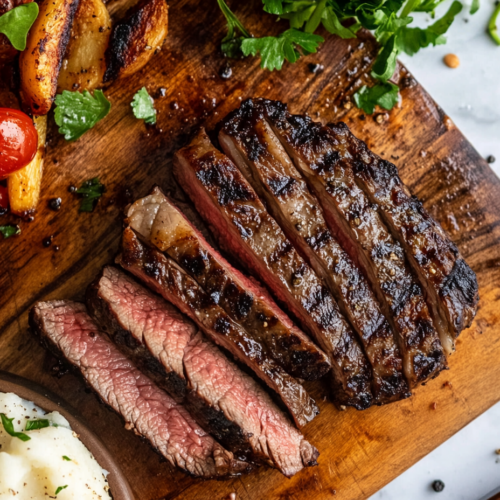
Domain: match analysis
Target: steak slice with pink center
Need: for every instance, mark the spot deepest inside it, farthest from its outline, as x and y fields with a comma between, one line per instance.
x=66, y=328
x=224, y=401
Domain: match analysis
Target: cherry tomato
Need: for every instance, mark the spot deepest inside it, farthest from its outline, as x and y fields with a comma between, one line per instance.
x=18, y=140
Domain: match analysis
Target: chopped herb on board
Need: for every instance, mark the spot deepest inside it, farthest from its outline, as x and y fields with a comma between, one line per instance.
x=10, y=230
x=9, y=428
x=143, y=107
x=66, y=458
x=386, y=95
x=90, y=191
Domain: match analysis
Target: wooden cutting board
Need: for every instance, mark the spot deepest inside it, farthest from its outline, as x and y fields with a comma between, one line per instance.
x=360, y=451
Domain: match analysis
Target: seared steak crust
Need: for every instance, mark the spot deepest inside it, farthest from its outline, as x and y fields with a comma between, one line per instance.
x=244, y=228
x=449, y=282
x=166, y=278
x=162, y=224
x=248, y=139
x=227, y=403
x=357, y=224
x=67, y=329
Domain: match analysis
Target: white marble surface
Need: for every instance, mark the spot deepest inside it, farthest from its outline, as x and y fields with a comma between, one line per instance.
x=470, y=95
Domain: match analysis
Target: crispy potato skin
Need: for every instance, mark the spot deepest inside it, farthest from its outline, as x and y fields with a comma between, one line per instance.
x=40, y=63
x=136, y=38
x=24, y=185
x=84, y=63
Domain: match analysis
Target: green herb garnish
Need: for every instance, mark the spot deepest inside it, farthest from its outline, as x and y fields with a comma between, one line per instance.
x=143, y=107
x=16, y=23
x=9, y=428
x=76, y=113
x=275, y=49
x=386, y=95
x=60, y=488
x=236, y=33
x=492, y=25
x=389, y=20
x=66, y=458
x=10, y=230
x=32, y=425
x=91, y=191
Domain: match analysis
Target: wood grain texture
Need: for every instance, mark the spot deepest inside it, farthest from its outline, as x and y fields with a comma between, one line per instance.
x=360, y=451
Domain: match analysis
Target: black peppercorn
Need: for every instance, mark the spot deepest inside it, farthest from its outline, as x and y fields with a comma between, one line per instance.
x=438, y=486
x=55, y=203
x=315, y=68
x=491, y=159
x=72, y=189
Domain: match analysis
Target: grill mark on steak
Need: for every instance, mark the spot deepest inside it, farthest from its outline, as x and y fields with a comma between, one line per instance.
x=159, y=222
x=300, y=217
x=271, y=257
x=434, y=257
x=327, y=167
x=69, y=331
x=224, y=401
x=165, y=277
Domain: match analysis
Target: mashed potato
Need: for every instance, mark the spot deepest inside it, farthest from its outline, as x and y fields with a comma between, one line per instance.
x=53, y=463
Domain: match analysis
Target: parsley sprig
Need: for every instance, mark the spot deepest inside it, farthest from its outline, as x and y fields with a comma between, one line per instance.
x=389, y=20
x=9, y=230
x=76, y=113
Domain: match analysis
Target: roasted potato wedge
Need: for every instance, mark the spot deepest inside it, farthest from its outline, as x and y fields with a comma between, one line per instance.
x=40, y=63
x=136, y=38
x=24, y=185
x=84, y=63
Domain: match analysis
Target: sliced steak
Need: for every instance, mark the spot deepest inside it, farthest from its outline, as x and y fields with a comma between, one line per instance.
x=450, y=284
x=163, y=225
x=67, y=328
x=355, y=221
x=226, y=402
x=166, y=278
x=248, y=140
x=245, y=230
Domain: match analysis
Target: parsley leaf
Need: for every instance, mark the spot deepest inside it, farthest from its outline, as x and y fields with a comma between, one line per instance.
x=273, y=6
x=16, y=23
x=66, y=458
x=91, y=191
x=492, y=25
x=9, y=428
x=9, y=230
x=231, y=43
x=332, y=24
x=474, y=7
x=275, y=49
x=411, y=40
x=60, y=488
x=386, y=95
x=385, y=64
x=32, y=425
x=143, y=107
x=76, y=113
